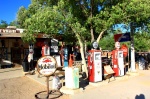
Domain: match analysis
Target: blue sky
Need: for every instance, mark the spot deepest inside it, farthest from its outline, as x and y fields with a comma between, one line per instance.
x=9, y=9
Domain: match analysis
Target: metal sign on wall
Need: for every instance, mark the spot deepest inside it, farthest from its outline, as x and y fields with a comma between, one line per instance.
x=124, y=37
x=54, y=46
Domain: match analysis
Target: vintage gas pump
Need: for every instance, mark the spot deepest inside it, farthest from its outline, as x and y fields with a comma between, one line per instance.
x=95, y=64
x=117, y=60
x=45, y=49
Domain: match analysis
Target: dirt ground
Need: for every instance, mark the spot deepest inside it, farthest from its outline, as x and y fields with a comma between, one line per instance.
x=24, y=88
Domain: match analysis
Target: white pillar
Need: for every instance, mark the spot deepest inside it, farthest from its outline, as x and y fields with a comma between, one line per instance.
x=132, y=59
x=132, y=48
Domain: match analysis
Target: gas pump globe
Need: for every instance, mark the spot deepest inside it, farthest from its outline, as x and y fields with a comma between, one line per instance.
x=95, y=45
x=117, y=45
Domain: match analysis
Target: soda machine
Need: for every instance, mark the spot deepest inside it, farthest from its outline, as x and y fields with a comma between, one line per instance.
x=65, y=57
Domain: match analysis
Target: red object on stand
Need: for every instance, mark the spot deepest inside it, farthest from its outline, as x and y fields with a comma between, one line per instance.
x=45, y=50
x=71, y=60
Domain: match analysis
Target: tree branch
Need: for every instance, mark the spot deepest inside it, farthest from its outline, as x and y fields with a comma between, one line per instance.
x=100, y=35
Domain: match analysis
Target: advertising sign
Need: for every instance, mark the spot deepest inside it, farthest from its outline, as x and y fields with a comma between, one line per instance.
x=54, y=46
x=46, y=65
x=122, y=37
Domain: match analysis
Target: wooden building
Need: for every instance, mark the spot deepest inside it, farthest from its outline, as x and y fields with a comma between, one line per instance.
x=13, y=49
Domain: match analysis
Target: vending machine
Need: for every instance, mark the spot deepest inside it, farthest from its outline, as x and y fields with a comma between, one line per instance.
x=118, y=60
x=54, y=51
x=65, y=57
x=54, y=47
x=95, y=65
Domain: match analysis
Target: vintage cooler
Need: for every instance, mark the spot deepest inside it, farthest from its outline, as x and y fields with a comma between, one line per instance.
x=71, y=77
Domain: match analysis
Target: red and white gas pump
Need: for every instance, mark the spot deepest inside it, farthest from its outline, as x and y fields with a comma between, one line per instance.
x=95, y=64
x=117, y=60
x=45, y=49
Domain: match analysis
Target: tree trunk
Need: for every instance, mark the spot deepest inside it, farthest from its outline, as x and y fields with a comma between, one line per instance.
x=92, y=34
x=91, y=25
x=84, y=66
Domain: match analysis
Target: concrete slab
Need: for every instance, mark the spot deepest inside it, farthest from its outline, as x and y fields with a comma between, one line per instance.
x=112, y=79
x=42, y=79
x=83, y=84
x=8, y=73
x=71, y=91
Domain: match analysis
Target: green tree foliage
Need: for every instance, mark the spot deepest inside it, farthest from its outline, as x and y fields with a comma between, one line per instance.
x=142, y=41
x=94, y=15
x=3, y=24
x=107, y=42
x=22, y=15
x=84, y=19
x=13, y=23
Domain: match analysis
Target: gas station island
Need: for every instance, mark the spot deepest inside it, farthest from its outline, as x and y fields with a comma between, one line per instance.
x=65, y=61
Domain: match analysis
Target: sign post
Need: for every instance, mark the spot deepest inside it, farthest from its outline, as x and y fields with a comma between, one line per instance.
x=46, y=66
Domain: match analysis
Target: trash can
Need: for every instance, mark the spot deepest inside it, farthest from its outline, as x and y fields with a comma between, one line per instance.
x=25, y=64
x=141, y=63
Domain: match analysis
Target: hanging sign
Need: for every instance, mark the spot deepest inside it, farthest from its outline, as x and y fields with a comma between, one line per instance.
x=46, y=65
x=123, y=37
